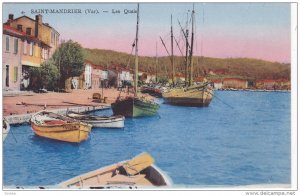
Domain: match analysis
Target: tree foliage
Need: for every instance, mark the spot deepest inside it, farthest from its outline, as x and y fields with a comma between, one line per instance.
x=69, y=59
x=46, y=76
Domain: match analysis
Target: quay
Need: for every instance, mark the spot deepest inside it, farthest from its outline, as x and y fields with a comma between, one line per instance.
x=15, y=104
x=24, y=118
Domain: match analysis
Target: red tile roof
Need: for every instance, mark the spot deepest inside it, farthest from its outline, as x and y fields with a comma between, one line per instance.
x=217, y=81
x=266, y=81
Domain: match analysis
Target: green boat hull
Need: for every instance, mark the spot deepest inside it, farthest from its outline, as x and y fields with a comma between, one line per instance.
x=134, y=107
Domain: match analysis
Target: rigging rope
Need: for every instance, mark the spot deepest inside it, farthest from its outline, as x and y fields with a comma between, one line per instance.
x=133, y=45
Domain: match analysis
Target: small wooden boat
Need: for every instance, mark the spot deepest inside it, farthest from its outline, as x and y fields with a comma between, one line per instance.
x=54, y=126
x=99, y=121
x=5, y=129
x=155, y=92
x=137, y=172
x=134, y=107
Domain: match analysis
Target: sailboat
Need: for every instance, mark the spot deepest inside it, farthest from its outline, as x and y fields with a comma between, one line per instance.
x=135, y=106
x=192, y=95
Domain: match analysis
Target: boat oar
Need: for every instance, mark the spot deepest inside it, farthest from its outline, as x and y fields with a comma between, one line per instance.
x=138, y=163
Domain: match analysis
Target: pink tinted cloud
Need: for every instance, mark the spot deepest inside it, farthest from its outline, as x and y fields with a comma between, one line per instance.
x=272, y=47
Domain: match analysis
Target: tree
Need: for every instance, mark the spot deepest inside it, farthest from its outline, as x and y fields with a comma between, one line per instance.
x=46, y=76
x=70, y=61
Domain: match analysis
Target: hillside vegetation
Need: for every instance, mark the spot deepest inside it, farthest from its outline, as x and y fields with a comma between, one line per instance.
x=230, y=67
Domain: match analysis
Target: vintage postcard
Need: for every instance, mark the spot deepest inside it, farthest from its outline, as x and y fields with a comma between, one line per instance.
x=149, y=96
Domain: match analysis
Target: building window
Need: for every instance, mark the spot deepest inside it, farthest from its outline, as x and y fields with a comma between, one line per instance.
x=19, y=27
x=31, y=49
x=28, y=31
x=25, y=47
x=7, y=44
x=7, y=76
x=16, y=41
x=16, y=74
x=52, y=37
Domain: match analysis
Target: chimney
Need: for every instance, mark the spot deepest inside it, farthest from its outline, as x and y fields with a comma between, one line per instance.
x=38, y=21
x=10, y=17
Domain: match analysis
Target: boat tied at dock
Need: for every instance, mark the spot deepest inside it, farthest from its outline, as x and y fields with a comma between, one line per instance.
x=99, y=121
x=135, y=106
x=54, y=126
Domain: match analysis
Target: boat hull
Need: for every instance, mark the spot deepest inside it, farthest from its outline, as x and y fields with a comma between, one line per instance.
x=58, y=127
x=187, y=101
x=109, y=124
x=152, y=91
x=74, y=133
x=133, y=107
x=100, y=121
x=115, y=176
x=5, y=130
x=193, y=98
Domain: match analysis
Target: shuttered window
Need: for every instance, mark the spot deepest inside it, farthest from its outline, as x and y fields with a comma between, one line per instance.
x=16, y=44
x=7, y=44
x=16, y=74
x=31, y=49
x=25, y=47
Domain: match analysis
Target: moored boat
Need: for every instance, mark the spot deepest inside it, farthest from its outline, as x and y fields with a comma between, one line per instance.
x=5, y=129
x=197, y=96
x=192, y=95
x=138, y=172
x=54, y=126
x=155, y=92
x=135, y=106
x=99, y=121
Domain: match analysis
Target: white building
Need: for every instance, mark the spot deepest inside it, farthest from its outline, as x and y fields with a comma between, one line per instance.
x=87, y=76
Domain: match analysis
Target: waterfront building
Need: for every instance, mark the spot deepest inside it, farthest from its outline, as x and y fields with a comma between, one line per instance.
x=218, y=84
x=146, y=77
x=235, y=83
x=124, y=75
x=179, y=77
x=271, y=84
x=37, y=43
x=268, y=84
x=11, y=58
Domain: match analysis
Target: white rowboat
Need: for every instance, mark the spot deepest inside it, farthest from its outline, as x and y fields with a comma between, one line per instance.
x=99, y=121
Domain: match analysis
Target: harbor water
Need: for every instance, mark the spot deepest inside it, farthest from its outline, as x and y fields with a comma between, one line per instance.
x=248, y=142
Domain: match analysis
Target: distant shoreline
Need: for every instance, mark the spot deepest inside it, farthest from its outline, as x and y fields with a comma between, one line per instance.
x=254, y=90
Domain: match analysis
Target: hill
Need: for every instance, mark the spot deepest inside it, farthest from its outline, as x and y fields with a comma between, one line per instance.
x=203, y=66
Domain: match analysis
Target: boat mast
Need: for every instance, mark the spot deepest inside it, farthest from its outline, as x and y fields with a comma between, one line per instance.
x=156, y=65
x=191, y=52
x=136, y=54
x=172, y=53
x=186, y=53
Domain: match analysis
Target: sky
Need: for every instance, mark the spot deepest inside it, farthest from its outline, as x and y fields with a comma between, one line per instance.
x=222, y=30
